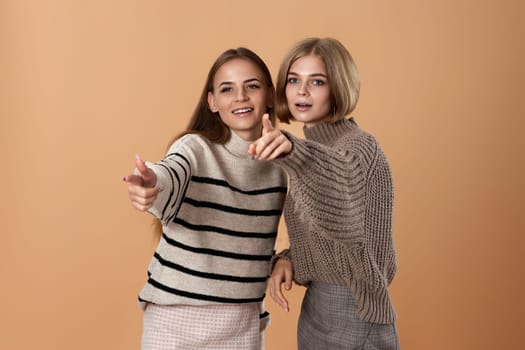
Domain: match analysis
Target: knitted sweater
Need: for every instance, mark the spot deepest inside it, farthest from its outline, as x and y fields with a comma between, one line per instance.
x=220, y=211
x=339, y=214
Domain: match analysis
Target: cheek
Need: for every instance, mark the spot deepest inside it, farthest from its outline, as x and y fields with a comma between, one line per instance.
x=223, y=103
x=324, y=98
x=324, y=104
x=263, y=98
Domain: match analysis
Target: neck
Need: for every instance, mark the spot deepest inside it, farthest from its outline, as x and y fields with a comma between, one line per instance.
x=248, y=136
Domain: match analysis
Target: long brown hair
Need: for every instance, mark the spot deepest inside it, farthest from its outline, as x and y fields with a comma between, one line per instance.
x=207, y=123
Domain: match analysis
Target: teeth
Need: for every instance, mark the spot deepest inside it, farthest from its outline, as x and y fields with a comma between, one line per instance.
x=242, y=110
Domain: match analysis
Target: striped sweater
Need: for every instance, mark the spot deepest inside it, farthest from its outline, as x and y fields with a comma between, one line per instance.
x=220, y=211
x=339, y=214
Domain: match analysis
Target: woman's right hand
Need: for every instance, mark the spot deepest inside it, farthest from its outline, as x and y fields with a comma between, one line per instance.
x=141, y=187
x=272, y=144
x=282, y=273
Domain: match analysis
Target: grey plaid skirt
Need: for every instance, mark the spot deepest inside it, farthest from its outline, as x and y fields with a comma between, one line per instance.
x=328, y=321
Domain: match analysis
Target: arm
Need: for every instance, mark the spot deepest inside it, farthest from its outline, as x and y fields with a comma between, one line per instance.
x=328, y=184
x=282, y=273
x=339, y=192
x=173, y=175
x=159, y=187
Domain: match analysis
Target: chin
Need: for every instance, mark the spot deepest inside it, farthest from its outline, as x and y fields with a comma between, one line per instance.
x=304, y=119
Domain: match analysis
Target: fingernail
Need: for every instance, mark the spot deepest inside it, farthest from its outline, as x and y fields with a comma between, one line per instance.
x=137, y=156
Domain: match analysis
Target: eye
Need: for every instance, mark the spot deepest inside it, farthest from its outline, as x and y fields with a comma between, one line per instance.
x=253, y=86
x=225, y=89
x=318, y=82
x=293, y=80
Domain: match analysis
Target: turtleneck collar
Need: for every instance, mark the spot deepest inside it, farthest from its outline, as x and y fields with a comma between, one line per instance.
x=326, y=133
x=237, y=146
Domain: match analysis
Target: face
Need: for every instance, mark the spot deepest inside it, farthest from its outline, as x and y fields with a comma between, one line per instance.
x=308, y=91
x=241, y=97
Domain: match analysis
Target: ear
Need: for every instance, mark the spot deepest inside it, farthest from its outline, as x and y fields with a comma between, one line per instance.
x=211, y=102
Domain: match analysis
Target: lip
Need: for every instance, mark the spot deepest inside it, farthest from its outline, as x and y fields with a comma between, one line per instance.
x=302, y=106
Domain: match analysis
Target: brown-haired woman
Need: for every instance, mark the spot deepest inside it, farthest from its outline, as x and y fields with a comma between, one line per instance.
x=219, y=210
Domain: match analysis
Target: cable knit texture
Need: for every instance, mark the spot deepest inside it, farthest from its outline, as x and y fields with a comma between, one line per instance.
x=339, y=214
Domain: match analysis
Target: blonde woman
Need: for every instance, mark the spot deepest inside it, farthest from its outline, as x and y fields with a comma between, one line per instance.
x=339, y=207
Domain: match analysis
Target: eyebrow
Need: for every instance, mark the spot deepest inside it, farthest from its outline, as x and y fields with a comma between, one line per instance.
x=244, y=82
x=310, y=75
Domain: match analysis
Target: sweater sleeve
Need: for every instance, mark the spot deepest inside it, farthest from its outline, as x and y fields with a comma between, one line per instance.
x=173, y=175
x=344, y=194
x=379, y=246
x=328, y=187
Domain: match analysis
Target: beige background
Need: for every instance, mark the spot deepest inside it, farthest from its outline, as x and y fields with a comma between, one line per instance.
x=84, y=85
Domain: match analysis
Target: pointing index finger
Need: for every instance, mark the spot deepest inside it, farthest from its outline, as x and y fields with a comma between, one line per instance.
x=267, y=124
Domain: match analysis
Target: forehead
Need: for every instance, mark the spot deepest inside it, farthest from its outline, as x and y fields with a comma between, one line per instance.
x=238, y=69
x=307, y=65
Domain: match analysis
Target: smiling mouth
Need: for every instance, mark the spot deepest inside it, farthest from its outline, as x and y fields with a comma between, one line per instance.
x=242, y=110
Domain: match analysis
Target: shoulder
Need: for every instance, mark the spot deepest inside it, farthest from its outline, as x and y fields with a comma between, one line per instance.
x=361, y=143
x=366, y=149
x=190, y=143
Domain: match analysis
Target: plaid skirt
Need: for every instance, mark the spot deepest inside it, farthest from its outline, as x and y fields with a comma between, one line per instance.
x=328, y=320
x=188, y=327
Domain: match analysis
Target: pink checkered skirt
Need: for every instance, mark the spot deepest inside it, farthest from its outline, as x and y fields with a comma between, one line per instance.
x=223, y=326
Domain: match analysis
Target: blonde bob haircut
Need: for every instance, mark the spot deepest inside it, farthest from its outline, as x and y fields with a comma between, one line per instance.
x=341, y=70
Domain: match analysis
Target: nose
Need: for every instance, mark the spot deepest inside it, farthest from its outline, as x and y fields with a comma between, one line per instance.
x=303, y=89
x=242, y=95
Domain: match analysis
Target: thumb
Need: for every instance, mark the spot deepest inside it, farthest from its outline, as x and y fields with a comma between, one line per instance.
x=267, y=123
x=141, y=165
x=148, y=176
x=288, y=280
